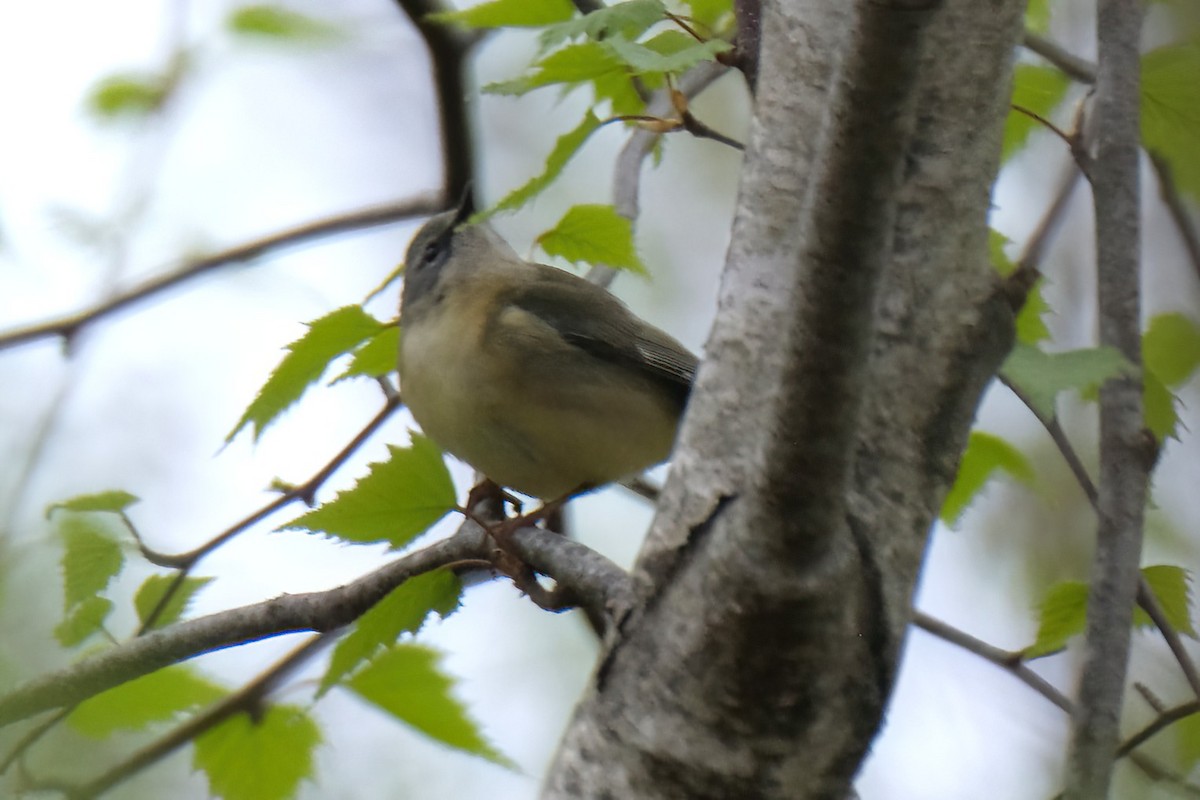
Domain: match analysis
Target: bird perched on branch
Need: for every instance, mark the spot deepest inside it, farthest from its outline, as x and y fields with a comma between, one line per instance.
x=541, y=380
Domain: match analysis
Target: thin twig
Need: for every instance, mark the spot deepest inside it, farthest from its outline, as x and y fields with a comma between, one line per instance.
x=627, y=174
x=1161, y=722
x=448, y=48
x=66, y=327
x=1180, y=213
x=305, y=492
x=248, y=699
x=1079, y=69
x=1008, y=661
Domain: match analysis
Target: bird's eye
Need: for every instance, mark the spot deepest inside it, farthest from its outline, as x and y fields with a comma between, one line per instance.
x=431, y=252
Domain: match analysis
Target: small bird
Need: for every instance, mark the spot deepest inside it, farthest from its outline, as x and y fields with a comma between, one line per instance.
x=541, y=380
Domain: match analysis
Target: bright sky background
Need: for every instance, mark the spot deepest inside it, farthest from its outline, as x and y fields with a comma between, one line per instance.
x=268, y=137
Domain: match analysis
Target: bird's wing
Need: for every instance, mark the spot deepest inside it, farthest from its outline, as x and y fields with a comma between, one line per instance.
x=608, y=330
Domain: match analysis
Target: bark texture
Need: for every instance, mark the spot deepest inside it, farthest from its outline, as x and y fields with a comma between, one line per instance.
x=858, y=325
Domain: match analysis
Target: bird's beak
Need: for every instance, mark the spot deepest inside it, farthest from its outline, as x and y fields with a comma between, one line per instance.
x=466, y=207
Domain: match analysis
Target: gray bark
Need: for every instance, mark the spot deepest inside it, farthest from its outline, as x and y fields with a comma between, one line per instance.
x=1127, y=451
x=859, y=322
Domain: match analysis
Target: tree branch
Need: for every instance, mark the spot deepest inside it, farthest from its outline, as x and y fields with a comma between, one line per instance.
x=1125, y=458
x=1008, y=661
x=1073, y=66
x=247, y=700
x=767, y=584
x=66, y=327
x=591, y=579
x=627, y=174
x=448, y=48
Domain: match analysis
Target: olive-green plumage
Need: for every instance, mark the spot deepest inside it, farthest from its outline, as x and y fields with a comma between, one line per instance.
x=541, y=380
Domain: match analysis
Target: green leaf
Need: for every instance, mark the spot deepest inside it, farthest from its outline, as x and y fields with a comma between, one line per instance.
x=1170, y=587
x=1063, y=615
x=153, y=589
x=396, y=500
x=157, y=697
x=1041, y=376
x=1158, y=408
x=572, y=64
x=509, y=14
x=1031, y=328
x=83, y=620
x=709, y=12
x=129, y=96
x=1038, y=89
x=1171, y=348
x=617, y=88
x=1064, y=611
x=1171, y=111
x=279, y=23
x=595, y=234
x=376, y=358
x=114, y=501
x=629, y=20
x=308, y=357
x=406, y=682
x=566, y=146
x=404, y=610
x=262, y=759
x=997, y=241
x=90, y=559
x=984, y=455
x=1037, y=15
x=669, y=51
x=1187, y=741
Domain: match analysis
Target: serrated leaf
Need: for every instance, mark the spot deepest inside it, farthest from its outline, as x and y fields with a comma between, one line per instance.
x=985, y=454
x=1063, y=614
x=629, y=19
x=669, y=51
x=1039, y=89
x=396, y=500
x=595, y=234
x=90, y=559
x=308, y=357
x=129, y=95
x=405, y=682
x=1064, y=611
x=263, y=759
x=1187, y=741
x=572, y=64
x=618, y=90
x=152, y=590
x=1041, y=376
x=997, y=241
x=509, y=14
x=1170, y=587
x=709, y=12
x=279, y=23
x=1031, y=328
x=376, y=358
x=404, y=610
x=157, y=697
x=1171, y=348
x=1171, y=111
x=114, y=501
x=566, y=147
x=83, y=620
x=1158, y=407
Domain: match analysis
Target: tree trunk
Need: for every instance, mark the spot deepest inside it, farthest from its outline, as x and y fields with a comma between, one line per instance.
x=859, y=322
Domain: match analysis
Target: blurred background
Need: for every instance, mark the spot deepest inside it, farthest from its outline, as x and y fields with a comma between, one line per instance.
x=262, y=136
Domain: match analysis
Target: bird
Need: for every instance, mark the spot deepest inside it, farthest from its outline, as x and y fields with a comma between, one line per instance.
x=542, y=381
